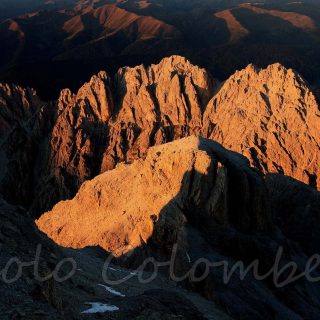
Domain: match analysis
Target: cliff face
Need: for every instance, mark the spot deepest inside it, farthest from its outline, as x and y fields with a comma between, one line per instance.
x=270, y=116
x=155, y=105
x=124, y=208
x=78, y=135
x=196, y=200
x=24, y=124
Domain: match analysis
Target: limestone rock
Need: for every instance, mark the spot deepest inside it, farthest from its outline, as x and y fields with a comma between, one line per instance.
x=156, y=105
x=79, y=132
x=271, y=117
x=151, y=199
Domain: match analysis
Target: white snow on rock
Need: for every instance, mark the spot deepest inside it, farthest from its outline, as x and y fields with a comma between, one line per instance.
x=98, y=307
x=111, y=290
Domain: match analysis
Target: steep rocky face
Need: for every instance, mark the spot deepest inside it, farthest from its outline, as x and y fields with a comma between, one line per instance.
x=271, y=117
x=197, y=200
x=156, y=105
x=122, y=209
x=24, y=124
x=49, y=149
x=76, y=139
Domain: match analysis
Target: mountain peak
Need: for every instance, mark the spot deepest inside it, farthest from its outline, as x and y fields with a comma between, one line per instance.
x=270, y=70
x=269, y=115
x=176, y=63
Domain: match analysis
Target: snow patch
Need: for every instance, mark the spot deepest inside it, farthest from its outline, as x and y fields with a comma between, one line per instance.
x=111, y=290
x=98, y=307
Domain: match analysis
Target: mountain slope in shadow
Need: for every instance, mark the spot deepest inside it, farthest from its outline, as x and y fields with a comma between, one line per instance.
x=58, y=283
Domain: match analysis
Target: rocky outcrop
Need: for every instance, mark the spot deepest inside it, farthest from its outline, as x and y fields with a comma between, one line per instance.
x=269, y=115
x=49, y=149
x=106, y=122
x=122, y=209
x=76, y=140
x=195, y=200
x=156, y=105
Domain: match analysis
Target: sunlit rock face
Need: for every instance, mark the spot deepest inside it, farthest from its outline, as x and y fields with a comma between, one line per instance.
x=156, y=105
x=152, y=199
x=269, y=115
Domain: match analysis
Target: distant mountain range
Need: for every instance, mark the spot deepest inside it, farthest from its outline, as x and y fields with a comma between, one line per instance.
x=69, y=40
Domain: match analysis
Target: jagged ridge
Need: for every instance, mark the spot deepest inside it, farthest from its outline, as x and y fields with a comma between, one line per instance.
x=269, y=115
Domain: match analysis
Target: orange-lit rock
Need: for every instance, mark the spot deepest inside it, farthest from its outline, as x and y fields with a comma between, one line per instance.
x=152, y=199
x=271, y=117
x=268, y=115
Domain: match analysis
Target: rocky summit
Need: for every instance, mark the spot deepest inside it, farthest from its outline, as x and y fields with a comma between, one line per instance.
x=271, y=116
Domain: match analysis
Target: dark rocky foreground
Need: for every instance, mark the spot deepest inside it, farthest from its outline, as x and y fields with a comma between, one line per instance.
x=30, y=298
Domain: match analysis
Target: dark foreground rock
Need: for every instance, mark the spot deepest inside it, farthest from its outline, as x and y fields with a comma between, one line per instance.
x=31, y=298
